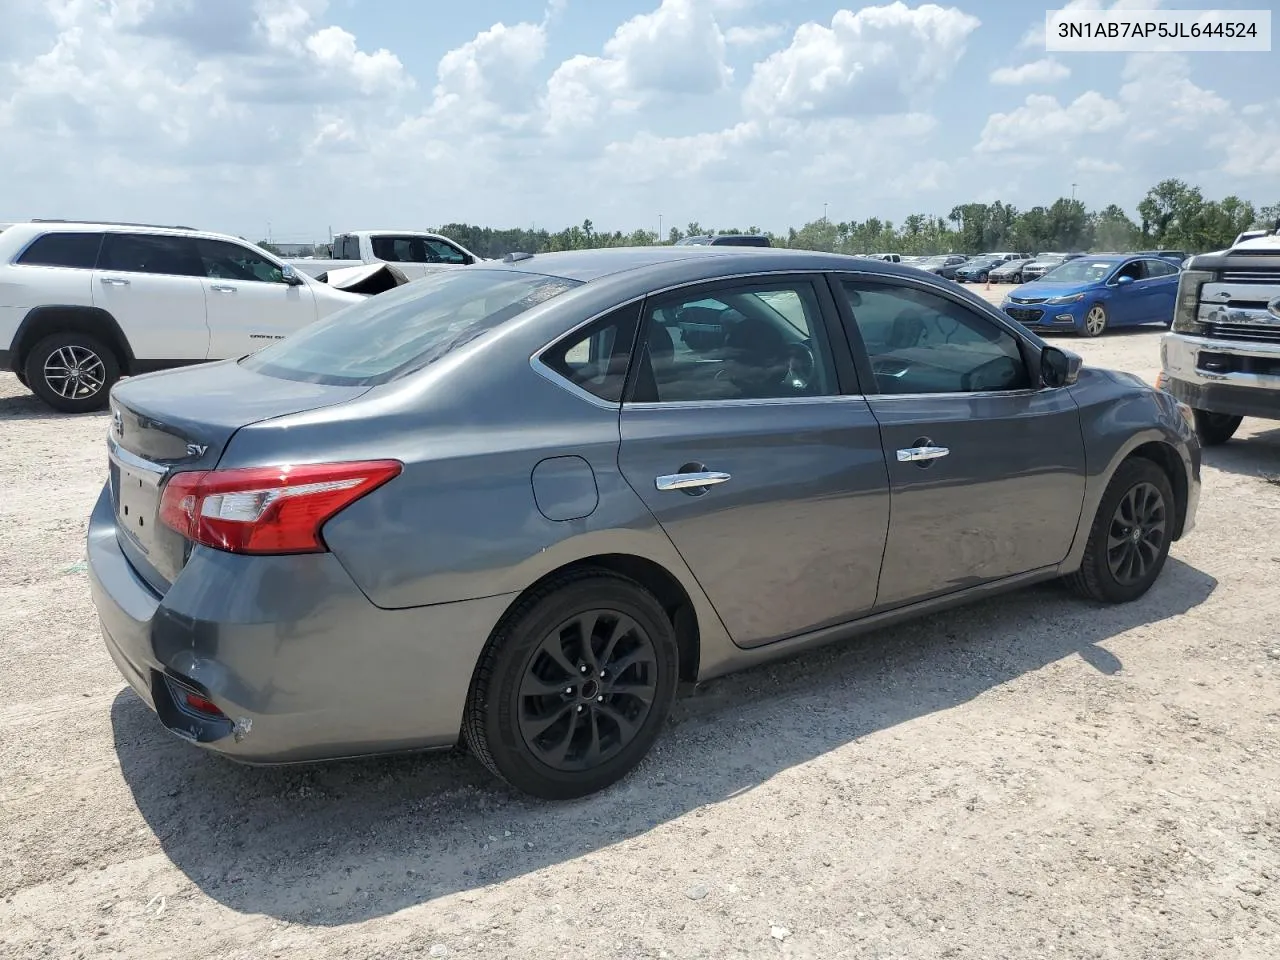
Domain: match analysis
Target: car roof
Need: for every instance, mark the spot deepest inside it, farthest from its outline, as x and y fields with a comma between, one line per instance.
x=588, y=265
x=37, y=227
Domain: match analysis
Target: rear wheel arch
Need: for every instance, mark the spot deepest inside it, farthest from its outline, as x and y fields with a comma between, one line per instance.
x=675, y=600
x=46, y=321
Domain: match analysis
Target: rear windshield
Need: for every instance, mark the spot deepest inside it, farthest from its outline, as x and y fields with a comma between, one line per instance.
x=395, y=333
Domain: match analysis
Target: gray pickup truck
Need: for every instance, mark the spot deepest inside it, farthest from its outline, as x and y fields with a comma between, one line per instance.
x=1222, y=355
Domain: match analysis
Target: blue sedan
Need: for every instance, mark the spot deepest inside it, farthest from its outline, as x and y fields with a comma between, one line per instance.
x=1091, y=294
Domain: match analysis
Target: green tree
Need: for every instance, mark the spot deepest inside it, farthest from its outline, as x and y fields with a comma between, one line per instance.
x=1114, y=230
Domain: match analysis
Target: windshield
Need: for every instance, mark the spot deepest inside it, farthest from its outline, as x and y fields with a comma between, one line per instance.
x=693, y=242
x=395, y=333
x=1081, y=271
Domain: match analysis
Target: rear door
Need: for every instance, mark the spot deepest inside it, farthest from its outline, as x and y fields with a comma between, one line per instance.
x=249, y=304
x=987, y=471
x=1162, y=278
x=769, y=479
x=150, y=284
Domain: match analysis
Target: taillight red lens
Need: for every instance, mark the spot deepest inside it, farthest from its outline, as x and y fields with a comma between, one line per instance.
x=268, y=509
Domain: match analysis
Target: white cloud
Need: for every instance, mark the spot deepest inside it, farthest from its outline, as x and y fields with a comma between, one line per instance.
x=1098, y=165
x=1047, y=70
x=749, y=36
x=1042, y=120
x=677, y=50
x=876, y=61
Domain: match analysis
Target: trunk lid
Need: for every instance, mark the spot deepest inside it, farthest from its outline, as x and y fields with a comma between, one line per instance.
x=181, y=420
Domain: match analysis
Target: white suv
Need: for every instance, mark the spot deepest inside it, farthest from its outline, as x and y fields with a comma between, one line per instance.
x=82, y=304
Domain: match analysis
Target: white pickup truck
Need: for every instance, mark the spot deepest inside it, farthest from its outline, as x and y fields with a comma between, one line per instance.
x=411, y=252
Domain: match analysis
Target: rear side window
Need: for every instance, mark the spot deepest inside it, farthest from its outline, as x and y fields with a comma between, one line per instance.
x=403, y=330
x=595, y=358
x=63, y=250
x=151, y=253
x=348, y=248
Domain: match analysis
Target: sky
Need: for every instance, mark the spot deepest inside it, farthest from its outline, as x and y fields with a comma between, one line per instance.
x=289, y=119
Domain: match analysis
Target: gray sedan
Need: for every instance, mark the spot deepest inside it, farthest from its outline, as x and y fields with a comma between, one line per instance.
x=517, y=504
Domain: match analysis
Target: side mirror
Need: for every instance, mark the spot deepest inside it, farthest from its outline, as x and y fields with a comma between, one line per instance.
x=1123, y=281
x=1059, y=368
x=291, y=276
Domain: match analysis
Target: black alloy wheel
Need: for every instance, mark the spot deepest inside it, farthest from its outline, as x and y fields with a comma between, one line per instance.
x=1130, y=536
x=587, y=690
x=574, y=685
x=1139, y=528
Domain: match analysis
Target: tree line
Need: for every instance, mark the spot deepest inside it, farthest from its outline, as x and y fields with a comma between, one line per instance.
x=1173, y=215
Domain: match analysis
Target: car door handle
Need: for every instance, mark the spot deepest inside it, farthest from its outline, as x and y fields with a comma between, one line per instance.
x=916, y=454
x=690, y=481
x=114, y=282
x=221, y=288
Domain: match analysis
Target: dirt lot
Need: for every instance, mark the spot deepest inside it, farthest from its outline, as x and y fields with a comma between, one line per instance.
x=1030, y=777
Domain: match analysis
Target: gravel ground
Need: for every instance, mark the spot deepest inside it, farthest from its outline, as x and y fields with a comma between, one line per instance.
x=1033, y=776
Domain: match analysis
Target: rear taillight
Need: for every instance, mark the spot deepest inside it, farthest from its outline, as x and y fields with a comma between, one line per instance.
x=267, y=509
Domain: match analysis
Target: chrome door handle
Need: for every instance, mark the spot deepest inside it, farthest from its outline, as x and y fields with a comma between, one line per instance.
x=115, y=282
x=916, y=454
x=690, y=481
x=221, y=288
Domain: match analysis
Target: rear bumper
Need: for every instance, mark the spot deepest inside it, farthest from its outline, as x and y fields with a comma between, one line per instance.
x=1244, y=380
x=303, y=666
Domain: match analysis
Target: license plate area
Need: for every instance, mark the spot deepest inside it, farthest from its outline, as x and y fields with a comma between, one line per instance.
x=135, y=494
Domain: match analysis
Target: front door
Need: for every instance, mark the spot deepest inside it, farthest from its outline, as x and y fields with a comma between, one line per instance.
x=987, y=472
x=770, y=483
x=249, y=304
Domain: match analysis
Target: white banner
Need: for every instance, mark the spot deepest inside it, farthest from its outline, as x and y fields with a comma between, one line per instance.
x=1157, y=31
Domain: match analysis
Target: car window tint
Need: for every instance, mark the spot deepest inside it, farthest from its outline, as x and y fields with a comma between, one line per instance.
x=348, y=248
x=150, y=253
x=595, y=359
x=920, y=342
x=442, y=252
x=1132, y=270
x=230, y=261
x=1160, y=268
x=401, y=249
x=405, y=329
x=63, y=250
x=750, y=341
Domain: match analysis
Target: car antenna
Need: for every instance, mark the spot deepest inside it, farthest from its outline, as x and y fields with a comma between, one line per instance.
x=516, y=256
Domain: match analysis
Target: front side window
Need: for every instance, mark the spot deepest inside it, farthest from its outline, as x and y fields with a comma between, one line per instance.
x=750, y=341
x=595, y=359
x=150, y=253
x=230, y=261
x=1134, y=271
x=442, y=252
x=63, y=250
x=403, y=330
x=919, y=342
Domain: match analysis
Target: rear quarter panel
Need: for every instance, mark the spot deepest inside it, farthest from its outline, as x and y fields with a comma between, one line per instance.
x=1118, y=414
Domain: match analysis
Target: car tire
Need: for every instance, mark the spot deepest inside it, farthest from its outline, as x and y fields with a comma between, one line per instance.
x=1215, y=429
x=983, y=277
x=540, y=737
x=1094, y=323
x=72, y=372
x=1134, y=520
